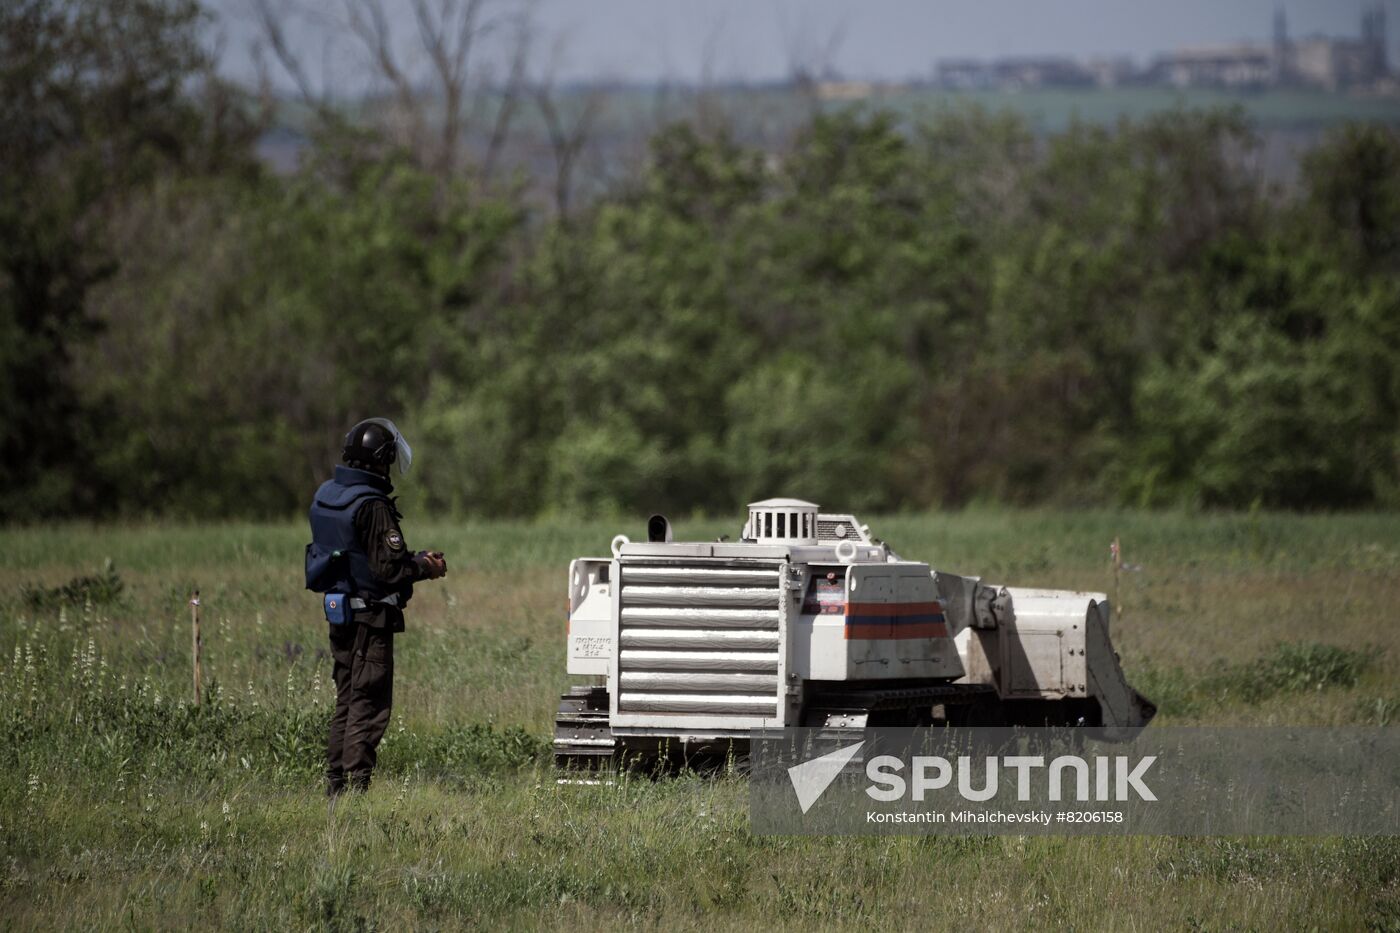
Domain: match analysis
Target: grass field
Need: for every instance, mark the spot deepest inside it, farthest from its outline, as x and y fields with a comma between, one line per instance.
x=122, y=805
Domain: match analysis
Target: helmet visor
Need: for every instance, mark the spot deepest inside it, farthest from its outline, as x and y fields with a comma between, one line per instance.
x=403, y=453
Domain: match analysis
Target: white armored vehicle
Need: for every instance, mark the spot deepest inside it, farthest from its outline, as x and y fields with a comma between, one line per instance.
x=809, y=621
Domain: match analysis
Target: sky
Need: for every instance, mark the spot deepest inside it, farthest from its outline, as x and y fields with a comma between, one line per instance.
x=756, y=40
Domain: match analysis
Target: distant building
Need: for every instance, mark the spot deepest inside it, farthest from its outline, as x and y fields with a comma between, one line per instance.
x=1014, y=73
x=1043, y=72
x=1315, y=61
x=965, y=74
x=1333, y=63
x=1114, y=72
x=1243, y=66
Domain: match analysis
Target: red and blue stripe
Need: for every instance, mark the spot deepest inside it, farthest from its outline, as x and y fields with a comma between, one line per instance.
x=884, y=621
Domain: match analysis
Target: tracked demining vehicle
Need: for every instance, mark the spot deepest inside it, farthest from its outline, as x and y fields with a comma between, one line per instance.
x=807, y=620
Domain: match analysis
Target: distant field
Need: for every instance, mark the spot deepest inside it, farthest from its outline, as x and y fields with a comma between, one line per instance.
x=1290, y=120
x=120, y=805
x=1046, y=110
x=1052, y=110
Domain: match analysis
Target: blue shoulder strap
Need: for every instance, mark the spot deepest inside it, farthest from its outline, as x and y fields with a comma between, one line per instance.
x=343, y=497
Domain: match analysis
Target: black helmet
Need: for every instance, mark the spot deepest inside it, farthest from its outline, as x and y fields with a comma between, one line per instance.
x=377, y=442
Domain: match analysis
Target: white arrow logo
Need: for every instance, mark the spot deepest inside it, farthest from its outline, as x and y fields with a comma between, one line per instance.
x=811, y=778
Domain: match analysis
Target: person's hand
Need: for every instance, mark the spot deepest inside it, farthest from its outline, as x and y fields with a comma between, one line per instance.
x=431, y=564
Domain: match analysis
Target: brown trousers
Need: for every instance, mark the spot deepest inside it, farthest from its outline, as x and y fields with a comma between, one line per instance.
x=364, y=695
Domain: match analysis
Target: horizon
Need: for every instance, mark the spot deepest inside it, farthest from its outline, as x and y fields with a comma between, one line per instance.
x=649, y=42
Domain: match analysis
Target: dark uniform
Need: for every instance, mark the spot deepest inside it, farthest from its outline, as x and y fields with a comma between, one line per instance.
x=358, y=558
x=363, y=652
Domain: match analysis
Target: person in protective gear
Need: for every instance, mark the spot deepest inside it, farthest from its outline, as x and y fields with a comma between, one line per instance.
x=359, y=561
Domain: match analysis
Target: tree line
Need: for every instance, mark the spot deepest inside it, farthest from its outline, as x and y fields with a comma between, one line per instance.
x=889, y=313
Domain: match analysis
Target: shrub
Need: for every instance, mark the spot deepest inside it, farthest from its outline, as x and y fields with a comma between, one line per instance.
x=100, y=589
x=1295, y=667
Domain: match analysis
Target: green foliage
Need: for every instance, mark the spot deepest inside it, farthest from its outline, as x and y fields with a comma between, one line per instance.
x=101, y=589
x=97, y=99
x=889, y=312
x=1287, y=394
x=359, y=289
x=464, y=751
x=1354, y=183
x=887, y=319
x=1298, y=668
x=1283, y=669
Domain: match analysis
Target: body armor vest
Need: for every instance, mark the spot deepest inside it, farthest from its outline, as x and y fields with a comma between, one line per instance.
x=336, y=561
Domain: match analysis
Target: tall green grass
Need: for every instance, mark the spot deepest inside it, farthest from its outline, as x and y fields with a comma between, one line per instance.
x=123, y=804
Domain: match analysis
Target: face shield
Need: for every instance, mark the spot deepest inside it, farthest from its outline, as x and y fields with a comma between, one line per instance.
x=404, y=453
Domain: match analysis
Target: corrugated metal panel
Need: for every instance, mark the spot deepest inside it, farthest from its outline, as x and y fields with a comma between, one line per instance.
x=632, y=660
x=699, y=576
x=726, y=639
x=699, y=638
x=680, y=596
x=713, y=703
x=689, y=682
x=686, y=617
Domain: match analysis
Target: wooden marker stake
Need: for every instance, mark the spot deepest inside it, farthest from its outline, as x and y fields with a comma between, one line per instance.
x=197, y=643
x=1117, y=572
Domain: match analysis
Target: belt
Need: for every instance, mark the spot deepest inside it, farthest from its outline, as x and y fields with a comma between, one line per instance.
x=358, y=603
